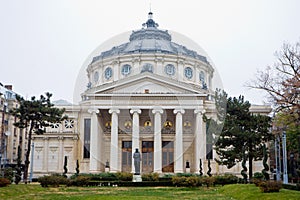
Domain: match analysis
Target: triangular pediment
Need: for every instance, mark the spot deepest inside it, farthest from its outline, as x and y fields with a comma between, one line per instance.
x=147, y=82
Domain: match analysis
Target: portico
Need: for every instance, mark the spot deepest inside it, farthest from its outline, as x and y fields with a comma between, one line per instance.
x=166, y=138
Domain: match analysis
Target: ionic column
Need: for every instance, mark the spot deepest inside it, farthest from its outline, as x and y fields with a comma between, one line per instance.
x=114, y=154
x=200, y=139
x=157, y=140
x=45, y=154
x=94, y=141
x=178, y=168
x=135, y=132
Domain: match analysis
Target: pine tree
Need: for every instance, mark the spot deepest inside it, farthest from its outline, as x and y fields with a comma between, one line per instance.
x=18, y=168
x=242, y=133
x=35, y=115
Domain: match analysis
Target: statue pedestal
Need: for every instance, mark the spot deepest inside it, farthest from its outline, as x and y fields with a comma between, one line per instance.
x=106, y=169
x=187, y=170
x=137, y=178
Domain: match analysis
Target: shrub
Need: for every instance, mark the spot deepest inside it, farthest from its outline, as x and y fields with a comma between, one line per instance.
x=257, y=178
x=193, y=181
x=54, y=180
x=105, y=176
x=99, y=177
x=9, y=174
x=79, y=181
x=291, y=187
x=182, y=181
x=4, y=182
x=258, y=175
x=208, y=181
x=150, y=177
x=270, y=186
x=226, y=179
x=124, y=176
x=184, y=174
x=179, y=181
x=256, y=182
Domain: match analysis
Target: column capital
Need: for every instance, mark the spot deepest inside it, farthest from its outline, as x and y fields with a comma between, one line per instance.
x=179, y=110
x=45, y=138
x=157, y=110
x=93, y=110
x=135, y=110
x=200, y=111
x=60, y=138
x=114, y=110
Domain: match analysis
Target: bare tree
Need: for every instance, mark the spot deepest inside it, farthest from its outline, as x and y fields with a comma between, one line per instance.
x=282, y=80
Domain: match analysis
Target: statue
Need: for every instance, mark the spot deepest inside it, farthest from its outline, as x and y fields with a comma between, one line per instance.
x=136, y=160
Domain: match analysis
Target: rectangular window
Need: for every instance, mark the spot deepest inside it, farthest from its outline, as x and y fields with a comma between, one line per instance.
x=167, y=156
x=87, y=137
x=126, y=156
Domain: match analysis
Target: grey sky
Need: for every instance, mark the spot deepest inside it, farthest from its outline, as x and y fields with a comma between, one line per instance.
x=43, y=44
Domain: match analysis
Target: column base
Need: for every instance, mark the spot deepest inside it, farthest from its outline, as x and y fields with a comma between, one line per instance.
x=137, y=178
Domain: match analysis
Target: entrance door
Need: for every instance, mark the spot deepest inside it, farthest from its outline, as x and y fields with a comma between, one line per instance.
x=126, y=156
x=147, y=156
x=168, y=156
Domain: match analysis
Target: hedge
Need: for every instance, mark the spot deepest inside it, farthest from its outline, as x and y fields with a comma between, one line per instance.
x=291, y=187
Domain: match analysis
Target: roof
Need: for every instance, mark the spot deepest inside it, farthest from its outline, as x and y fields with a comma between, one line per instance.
x=150, y=39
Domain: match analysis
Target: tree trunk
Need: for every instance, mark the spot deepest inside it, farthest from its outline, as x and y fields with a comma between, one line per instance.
x=25, y=176
x=250, y=162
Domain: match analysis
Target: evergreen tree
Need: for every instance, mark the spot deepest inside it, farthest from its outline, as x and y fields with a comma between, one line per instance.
x=65, y=166
x=242, y=133
x=35, y=115
x=209, y=168
x=77, y=167
x=200, y=168
x=18, y=168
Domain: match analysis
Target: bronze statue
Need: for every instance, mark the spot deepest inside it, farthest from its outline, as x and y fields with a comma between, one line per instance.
x=136, y=160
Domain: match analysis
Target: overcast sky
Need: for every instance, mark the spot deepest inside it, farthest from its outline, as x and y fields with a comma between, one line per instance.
x=43, y=44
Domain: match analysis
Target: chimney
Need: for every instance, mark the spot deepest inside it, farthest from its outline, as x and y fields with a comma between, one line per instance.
x=9, y=87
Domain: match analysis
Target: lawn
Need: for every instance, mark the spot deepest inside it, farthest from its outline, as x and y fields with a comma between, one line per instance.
x=33, y=191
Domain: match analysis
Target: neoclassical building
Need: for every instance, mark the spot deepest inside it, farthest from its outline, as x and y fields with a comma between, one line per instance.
x=150, y=94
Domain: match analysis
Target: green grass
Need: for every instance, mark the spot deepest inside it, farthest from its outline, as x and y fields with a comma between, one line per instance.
x=238, y=191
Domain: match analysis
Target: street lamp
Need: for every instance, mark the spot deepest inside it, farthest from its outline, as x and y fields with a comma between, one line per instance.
x=284, y=157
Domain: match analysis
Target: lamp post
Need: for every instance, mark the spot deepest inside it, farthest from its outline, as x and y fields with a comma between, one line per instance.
x=277, y=158
x=284, y=157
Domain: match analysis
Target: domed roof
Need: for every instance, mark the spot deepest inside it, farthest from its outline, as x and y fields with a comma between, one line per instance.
x=150, y=39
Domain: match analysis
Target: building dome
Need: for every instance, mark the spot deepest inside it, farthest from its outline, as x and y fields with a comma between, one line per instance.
x=150, y=39
x=163, y=53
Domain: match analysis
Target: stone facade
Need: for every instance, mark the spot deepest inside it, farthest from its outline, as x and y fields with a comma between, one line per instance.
x=149, y=93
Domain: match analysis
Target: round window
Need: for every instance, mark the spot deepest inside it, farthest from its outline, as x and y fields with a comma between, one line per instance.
x=108, y=73
x=170, y=69
x=188, y=72
x=126, y=69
